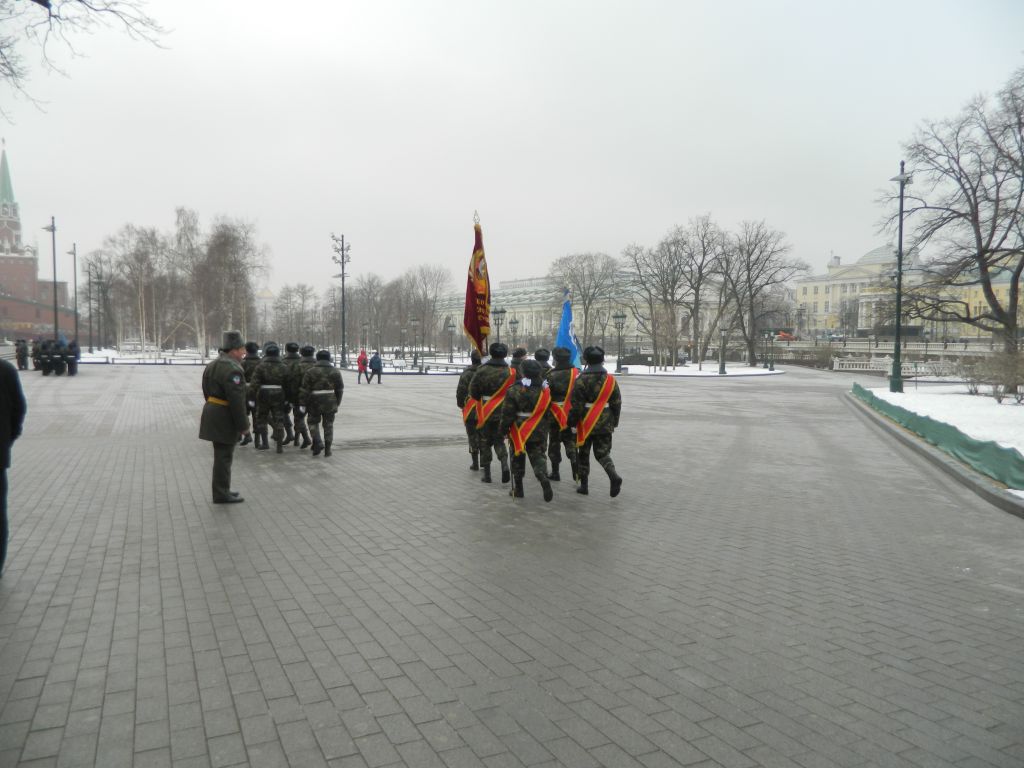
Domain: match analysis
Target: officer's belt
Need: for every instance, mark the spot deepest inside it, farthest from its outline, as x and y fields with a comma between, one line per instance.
x=217, y=401
x=591, y=405
x=562, y=404
x=523, y=415
x=270, y=386
x=486, y=398
x=323, y=391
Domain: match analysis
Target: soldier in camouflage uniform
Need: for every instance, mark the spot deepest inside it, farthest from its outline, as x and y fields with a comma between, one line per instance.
x=525, y=409
x=516, y=364
x=488, y=387
x=266, y=389
x=468, y=407
x=224, y=417
x=542, y=356
x=297, y=367
x=320, y=394
x=249, y=363
x=590, y=394
x=291, y=392
x=559, y=379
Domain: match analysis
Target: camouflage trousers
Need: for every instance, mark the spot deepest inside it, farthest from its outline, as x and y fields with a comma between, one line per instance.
x=300, y=421
x=492, y=440
x=557, y=439
x=535, y=453
x=313, y=418
x=602, y=445
x=271, y=412
x=472, y=435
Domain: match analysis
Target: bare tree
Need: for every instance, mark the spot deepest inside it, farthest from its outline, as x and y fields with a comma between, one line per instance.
x=43, y=23
x=427, y=284
x=590, y=277
x=970, y=210
x=754, y=262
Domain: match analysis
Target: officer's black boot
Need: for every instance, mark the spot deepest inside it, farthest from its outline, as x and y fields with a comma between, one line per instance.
x=517, y=487
x=246, y=439
x=505, y=474
x=546, y=486
x=486, y=477
x=609, y=467
x=476, y=460
x=264, y=442
x=575, y=469
x=582, y=487
x=306, y=442
x=553, y=474
x=327, y=449
x=318, y=445
x=288, y=435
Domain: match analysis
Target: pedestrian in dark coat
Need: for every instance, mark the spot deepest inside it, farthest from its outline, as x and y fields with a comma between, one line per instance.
x=376, y=367
x=21, y=350
x=224, y=416
x=12, y=416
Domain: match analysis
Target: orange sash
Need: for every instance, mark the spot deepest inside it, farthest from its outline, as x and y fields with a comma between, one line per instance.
x=520, y=433
x=468, y=409
x=561, y=412
x=484, y=410
x=586, y=426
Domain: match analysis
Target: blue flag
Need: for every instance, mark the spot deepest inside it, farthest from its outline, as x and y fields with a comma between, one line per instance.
x=567, y=331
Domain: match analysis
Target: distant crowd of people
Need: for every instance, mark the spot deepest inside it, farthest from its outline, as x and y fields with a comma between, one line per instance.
x=57, y=356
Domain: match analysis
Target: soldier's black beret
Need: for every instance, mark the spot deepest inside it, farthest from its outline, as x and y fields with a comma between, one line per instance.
x=531, y=369
x=562, y=354
x=291, y=346
x=307, y=351
x=272, y=350
x=497, y=349
x=252, y=347
x=542, y=355
x=593, y=355
x=474, y=356
x=323, y=354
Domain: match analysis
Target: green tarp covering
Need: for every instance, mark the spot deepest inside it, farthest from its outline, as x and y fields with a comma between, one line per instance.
x=1003, y=464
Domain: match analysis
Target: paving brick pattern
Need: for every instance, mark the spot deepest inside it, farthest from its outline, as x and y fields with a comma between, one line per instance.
x=779, y=584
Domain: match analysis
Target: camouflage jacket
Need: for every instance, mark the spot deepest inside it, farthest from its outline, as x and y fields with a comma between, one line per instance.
x=249, y=363
x=322, y=387
x=588, y=386
x=522, y=400
x=291, y=381
x=488, y=379
x=297, y=368
x=462, y=390
x=271, y=373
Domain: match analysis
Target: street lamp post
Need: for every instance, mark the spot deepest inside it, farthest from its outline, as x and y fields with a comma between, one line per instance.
x=88, y=272
x=341, y=258
x=450, y=327
x=73, y=253
x=771, y=354
x=767, y=335
x=415, y=323
x=619, y=318
x=499, y=318
x=366, y=336
x=52, y=229
x=513, y=328
x=896, y=379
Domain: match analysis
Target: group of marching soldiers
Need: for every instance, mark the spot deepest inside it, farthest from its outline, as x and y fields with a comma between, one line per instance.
x=540, y=410
x=49, y=356
x=289, y=396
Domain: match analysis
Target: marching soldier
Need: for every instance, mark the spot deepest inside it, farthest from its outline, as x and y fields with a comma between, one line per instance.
x=249, y=363
x=224, y=417
x=488, y=387
x=21, y=350
x=468, y=406
x=523, y=419
x=297, y=368
x=291, y=392
x=518, y=356
x=562, y=380
x=542, y=356
x=320, y=394
x=266, y=389
x=594, y=416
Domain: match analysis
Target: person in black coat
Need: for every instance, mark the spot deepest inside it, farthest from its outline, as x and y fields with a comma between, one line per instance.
x=12, y=406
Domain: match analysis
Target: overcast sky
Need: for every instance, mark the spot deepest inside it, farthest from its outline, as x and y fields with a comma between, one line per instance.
x=569, y=126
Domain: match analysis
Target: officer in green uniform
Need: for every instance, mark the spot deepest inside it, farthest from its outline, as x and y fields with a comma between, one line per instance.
x=489, y=384
x=469, y=419
x=320, y=394
x=590, y=394
x=266, y=389
x=523, y=407
x=224, y=417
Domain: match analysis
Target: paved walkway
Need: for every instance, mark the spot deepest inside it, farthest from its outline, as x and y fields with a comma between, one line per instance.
x=779, y=584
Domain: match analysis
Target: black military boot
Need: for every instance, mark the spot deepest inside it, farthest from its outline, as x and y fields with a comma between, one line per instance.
x=614, y=477
x=476, y=460
x=575, y=469
x=505, y=474
x=288, y=435
x=280, y=446
x=486, y=477
x=582, y=487
x=517, y=487
x=553, y=474
x=246, y=439
x=306, y=442
x=264, y=442
x=548, y=493
x=327, y=450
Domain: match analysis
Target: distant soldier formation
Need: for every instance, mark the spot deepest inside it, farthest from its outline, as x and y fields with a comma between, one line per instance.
x=530, y=411
x=49, y=356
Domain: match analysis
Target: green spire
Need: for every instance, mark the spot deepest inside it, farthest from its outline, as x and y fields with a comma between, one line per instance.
x=6, y=189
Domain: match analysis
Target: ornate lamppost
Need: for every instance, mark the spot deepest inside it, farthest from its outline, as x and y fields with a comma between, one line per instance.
x=513, y=327
x=499, y=318
x=415, y=323
x=73, y=253
x=767, y=336
x=450, y=327
x=52, y=229
x=341, y=258
x=619, y=318
x=896, y=379
x=721, y=352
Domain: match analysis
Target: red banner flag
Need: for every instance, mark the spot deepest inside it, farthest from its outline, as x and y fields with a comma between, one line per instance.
x=476, y=321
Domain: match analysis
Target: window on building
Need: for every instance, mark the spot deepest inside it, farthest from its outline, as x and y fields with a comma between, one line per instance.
x=805, y=290
x=815, y=308
x=815, y=290
x=826, y=291
x=826, y=306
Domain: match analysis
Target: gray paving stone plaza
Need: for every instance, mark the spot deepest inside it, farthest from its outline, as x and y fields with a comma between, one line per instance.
x=779, y=584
